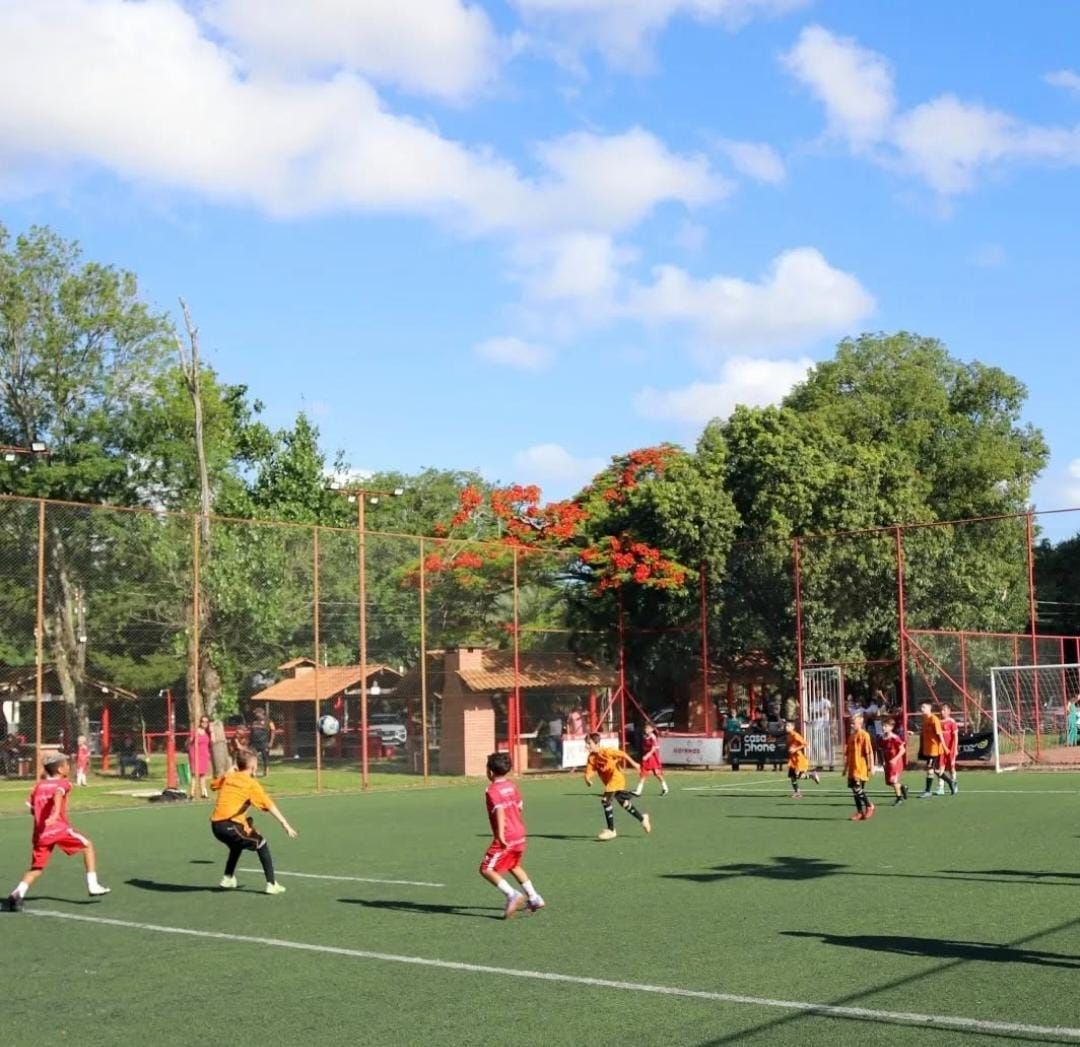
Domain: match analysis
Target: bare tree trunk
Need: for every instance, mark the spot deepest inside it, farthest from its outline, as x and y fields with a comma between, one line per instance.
x=66, y=629
x=201, y=671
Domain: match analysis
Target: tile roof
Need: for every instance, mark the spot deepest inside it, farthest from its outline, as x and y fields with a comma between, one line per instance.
x=326, y=682
x=19, y=684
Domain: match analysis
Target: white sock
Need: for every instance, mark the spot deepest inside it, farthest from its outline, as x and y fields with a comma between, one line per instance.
x=530, y=890
x=92, y=881
x=20, y=891
x=506, y=888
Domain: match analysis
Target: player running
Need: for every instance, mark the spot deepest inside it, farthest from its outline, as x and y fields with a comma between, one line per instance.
x=798, y=764
x=48, y=805
x=950, y=731
x=608, y=764
x=894, y=753
x=504, y=809
x=859, y=766
x=650, y=760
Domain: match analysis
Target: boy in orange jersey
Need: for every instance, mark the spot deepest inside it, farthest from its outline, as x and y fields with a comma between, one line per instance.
x=931, y=749
x=608, y=765
x=859, y=766
x=504, y=808
x=798, y=765
x=894, y=756
x=237, y=791
x=950, y=731
x=48, y=805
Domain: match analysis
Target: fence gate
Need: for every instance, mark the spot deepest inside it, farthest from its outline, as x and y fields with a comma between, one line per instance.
x=821, y=691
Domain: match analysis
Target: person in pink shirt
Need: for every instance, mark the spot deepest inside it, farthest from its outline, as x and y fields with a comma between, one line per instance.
x=199, y=756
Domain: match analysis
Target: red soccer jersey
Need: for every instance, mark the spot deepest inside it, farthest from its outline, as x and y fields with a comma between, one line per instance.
x=502, y=795
x=49, y=798
x=891, y=746
x=650, y=744
x=951, y=731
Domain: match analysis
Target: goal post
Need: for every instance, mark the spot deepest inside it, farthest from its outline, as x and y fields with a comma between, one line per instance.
x=821, y=690
x=1035, y=715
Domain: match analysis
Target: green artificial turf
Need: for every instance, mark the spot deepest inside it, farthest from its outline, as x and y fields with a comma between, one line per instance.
x=961, y=906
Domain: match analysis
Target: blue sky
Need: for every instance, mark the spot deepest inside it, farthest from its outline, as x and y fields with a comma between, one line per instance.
x=524, y=235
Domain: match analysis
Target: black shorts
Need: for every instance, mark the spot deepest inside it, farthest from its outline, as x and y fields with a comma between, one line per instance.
x=932, y=762
x=855, y=783
x=232, y=834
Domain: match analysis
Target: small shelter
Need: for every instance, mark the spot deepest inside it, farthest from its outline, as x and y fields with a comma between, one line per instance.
x=310, y=690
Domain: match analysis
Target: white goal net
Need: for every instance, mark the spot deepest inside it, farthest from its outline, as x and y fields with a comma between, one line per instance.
x=822, y=691
x=1036, y=715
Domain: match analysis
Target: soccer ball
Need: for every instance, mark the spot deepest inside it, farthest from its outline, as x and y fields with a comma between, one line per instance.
x=328, y=726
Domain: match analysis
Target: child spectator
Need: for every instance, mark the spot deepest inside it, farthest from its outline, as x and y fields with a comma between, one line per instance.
x=82, y=760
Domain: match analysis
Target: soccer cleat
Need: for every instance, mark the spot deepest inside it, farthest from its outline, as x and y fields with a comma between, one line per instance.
x=869, y=813
x=228, y=882
x=898, y=801
x=97, y=891
x=664, y=789
x=856, y=817
x=13, y=904
x=275, y=888
x=535, y=904
x=940, y=791
x=646, y=823
x=606, y=834
x=513, y=905
x=925, y=794
x=953, y=788
x=815, y=777
x=796, y=795
x=638, y=791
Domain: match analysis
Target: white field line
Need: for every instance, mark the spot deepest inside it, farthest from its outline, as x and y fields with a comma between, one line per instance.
x=814, y=790
x=825, y=1010
x=350, y=879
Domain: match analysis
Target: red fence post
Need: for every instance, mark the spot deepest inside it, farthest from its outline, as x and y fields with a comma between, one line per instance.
x=705, y=702
x=797, y=562
x=1030, y=535
x=901, y=612
x=513, y=712
x=170, y=741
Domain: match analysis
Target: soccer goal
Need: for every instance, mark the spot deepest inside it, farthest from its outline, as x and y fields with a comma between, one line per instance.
x=822, y=690
x=1036, y=718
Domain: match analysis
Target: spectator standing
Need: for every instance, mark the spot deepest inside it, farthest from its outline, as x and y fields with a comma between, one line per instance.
x=1072, y=723
x=554, y=733
x=199, y=756
x=262, y=735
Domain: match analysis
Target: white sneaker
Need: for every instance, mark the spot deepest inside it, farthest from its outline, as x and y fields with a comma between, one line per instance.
x=664, y=789
x=95, y=892
x=228, y=882
x=535, y=904
x=513, y=905
x=275, y=888
x=646, y=823
x=638, y=791
x=606, y=834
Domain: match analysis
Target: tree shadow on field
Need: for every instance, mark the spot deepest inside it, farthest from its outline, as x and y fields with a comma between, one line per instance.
x=942, y=949
x=1020, y=874
x=476, y=912
x=783, y=817
x=783, y=867
x=66, y=901
x=546, y=836
x=202, y=861
x=172, y=888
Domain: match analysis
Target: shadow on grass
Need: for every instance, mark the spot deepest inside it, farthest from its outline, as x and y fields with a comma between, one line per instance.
x=171, y=888
x=203, y=861
x=783, y=867
x=785, y=817
x=66, y=901
x=476, y=912
x=942, y=949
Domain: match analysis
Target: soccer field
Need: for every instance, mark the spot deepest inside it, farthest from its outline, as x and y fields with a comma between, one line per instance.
x=745, y=917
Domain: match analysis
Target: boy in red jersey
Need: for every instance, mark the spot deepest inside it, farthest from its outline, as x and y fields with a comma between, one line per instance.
x=650, y=761
x=894, y=755
x=798, y=762
x=48, y=805
x=507, y=848
x=858, y=766
x=608, y=764
x=950, y=732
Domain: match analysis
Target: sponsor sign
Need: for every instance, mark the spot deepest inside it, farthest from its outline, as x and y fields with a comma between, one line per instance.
x=573, y=748
x=691, y=751
x=756, y=747
x=979, y=746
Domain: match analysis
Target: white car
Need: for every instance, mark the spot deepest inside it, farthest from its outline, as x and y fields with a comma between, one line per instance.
x=388, y=727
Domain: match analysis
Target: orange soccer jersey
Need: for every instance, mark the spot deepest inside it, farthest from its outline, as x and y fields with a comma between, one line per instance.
x=933, y=737
x=607, y=764
x=796, y=753
x=859, y=756
x=237, y=792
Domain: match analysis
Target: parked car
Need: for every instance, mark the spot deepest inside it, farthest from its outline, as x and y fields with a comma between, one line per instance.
x=389, y=728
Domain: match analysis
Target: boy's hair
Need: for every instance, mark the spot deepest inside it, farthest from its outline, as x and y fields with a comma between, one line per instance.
x=594, y=737
x=790, y=723
x=889, y=721
x=499, y=764
x=246, y=758
x=927, y=705
x=945, y=705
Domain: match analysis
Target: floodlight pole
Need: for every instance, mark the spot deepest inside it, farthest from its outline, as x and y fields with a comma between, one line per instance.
x=361, y=553
x=39, y=651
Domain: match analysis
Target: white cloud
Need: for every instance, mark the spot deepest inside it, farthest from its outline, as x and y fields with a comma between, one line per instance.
x=756, y=160
x=1065, y=78
x=743, y=380
x=141, y=90
x=449, y=52
x=988, y=256
x=800, y=299
x=947, y=142
x=854, y=84
x=623, y=29
x=552, y=462
x=1072, y=488
x=516, y=353
x=574, y=267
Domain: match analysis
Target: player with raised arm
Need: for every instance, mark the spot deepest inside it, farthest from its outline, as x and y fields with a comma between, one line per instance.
x=504, y=810
x=607, y=764
x=48, y=805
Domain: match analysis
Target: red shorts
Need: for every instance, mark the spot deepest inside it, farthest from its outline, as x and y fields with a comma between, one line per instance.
x=500, y=859
x=894, y=768
x=947, y=762
x=651, y=763
x=68, y=840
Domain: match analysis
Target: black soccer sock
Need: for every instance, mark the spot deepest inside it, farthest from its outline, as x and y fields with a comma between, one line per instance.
x=609, y=813
x=860, y=798
x=630, y=808
x=267, y=862
x=929, y=782
x=233, y=860
x=903, y=791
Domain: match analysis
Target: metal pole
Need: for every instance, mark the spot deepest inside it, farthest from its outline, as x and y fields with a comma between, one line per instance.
x=39, y=637
x=1030, y=529
x=513, y=727
x=901, y=614
x=196, y=612
x=315, y=608
x=963, y=678
x=706, y=704
x=622, y=674
x=796, y=555
x=362, y=556
x=170, y=741
x=423, y=663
